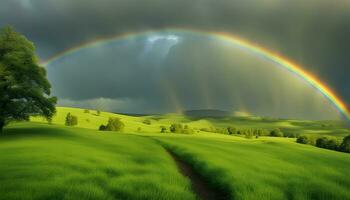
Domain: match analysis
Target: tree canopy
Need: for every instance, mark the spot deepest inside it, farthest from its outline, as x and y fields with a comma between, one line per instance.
x=24, y=88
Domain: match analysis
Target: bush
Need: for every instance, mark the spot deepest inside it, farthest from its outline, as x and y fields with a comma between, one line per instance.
x=303, y=139
x=327, y=143
x=98, y=113
x=147, y=121
x=163, y=129
x=345, y=145
x=114, y=124
x=102, y=128
x=86, y=111
x=276, y=133
x=322, y=142
x=71, y=120
x=231, y=130
x=333, y=144
x=289, y=135
x=178, y=128
x=139, y=129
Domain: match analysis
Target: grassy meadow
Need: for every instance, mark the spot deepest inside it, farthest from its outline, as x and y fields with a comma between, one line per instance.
x=42, y=161
x=266, y=168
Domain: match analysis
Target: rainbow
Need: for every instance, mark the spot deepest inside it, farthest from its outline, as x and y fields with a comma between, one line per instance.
x=244, y=44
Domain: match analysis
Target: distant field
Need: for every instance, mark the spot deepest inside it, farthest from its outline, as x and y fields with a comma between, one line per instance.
x=54, y=162
x=92, y=121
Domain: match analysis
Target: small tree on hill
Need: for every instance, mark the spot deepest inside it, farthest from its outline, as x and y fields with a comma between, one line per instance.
x=24, y=88
x=176, y=128
x=302, y=139
x=276, y=133
x=102, y=127
x=322, y=142
x=231, y=130
x=163, y=129
x=115, y=124
x=71, y=120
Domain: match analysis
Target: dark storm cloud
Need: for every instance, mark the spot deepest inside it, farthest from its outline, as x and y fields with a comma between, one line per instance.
x=160, y=72
x=313, y=33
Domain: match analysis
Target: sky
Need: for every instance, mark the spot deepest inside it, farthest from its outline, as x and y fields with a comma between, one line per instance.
x=313, y=33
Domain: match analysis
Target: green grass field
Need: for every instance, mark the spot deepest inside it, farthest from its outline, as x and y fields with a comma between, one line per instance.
x=41, y=161
x=54, y=162
x=92, y=121
x=267, y=168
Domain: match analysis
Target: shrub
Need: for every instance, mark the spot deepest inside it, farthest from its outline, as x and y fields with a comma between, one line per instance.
x=86, y=111
x=332, y=144
x=289, y=135
x=71, y=120
x=114, y=124
x=322, y=142
x=276, y=133
x=163, y=129
x=98, y=113
x=303, y=139
x=102, y=128
x=139, y=129
x=231, y=130
x=345, y=145
x=327, y=143
x=176, y=128
x=147, y=121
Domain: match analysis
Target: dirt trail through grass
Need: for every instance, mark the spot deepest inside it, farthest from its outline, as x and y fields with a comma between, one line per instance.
x=200, y=187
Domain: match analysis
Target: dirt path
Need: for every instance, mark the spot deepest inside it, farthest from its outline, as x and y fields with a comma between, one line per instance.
x=199, y=185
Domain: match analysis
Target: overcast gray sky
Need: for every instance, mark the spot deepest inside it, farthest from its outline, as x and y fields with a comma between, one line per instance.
x=313, y=33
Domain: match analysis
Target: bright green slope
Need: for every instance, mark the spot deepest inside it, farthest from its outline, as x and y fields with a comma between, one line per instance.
x=39, y=161
x=92, y=121
x=267, y=168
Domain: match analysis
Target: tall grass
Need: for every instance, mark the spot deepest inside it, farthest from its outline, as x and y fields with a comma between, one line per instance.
x=269, y=168
x=54, y=162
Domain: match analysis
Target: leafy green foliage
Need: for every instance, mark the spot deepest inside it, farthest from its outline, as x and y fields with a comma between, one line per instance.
x=114, y=124
x=276, y=133
x=163, y=129
x=231, y=130
x=179, y=128
x=24, y=88
x=345, y=145
x=303, y=139
x=71, y=120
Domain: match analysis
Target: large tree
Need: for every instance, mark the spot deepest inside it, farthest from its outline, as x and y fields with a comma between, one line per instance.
x=24, y=88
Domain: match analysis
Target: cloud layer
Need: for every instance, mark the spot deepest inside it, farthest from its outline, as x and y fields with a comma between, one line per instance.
x=312, y=33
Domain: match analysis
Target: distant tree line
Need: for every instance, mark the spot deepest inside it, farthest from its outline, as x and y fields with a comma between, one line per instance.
x=326, y=142
x=250, y=132
x=177, y=128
